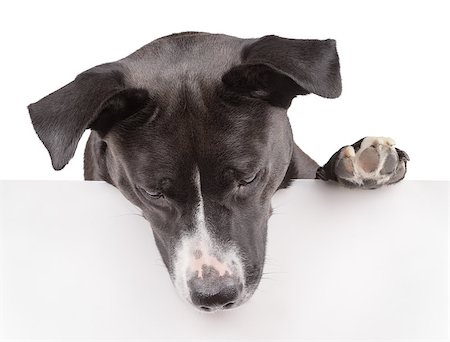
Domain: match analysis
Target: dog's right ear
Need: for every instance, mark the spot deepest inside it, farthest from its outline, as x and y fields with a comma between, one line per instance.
x=97, y=99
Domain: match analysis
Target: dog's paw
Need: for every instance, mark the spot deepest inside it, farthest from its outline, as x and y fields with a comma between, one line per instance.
x=369, y=163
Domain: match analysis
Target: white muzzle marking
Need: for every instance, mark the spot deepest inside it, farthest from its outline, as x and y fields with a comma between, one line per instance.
x=203, y=258
x=198, y=249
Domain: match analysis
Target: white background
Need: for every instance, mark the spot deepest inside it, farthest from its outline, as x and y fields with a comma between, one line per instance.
x=394, y=63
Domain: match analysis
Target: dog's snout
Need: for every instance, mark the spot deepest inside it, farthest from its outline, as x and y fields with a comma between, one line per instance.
x=214, y=290
x=210, y=275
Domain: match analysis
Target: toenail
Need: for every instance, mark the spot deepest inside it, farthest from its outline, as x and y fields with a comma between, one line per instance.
x=390, y=141
x=349, y=152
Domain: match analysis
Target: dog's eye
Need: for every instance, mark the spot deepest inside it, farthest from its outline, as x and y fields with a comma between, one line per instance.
x=248, y=180
x=151, y=194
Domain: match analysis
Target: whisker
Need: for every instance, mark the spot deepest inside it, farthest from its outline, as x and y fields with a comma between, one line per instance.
x=276, y=212
x=160, y=263
x=277, y=208
x=129, y=214
x=264, y=273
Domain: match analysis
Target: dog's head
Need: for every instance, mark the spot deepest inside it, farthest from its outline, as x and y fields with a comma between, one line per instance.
x=192, y=128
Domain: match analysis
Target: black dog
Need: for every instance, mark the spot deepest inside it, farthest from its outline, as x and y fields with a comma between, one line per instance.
x=192, y=128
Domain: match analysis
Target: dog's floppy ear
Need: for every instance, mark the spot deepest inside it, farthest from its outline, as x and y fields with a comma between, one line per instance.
x=277, y=69
x=96, y=99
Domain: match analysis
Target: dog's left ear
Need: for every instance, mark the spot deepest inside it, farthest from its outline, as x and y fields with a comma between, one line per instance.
x=277, y=69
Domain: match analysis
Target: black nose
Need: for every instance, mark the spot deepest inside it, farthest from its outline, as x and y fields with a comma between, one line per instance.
x=223, y=299
x=213, y=291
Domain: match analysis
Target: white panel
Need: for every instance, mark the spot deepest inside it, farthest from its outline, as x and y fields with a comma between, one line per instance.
x=78, y=262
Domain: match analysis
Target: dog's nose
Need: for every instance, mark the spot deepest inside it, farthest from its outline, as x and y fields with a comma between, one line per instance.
x=223, y=299
x=213, y=291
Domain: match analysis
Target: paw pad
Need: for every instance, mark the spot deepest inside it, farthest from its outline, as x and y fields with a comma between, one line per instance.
x=368, y=163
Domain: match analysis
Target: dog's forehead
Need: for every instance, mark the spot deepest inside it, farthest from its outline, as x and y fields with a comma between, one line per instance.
x=187, y=56
x=216, y=137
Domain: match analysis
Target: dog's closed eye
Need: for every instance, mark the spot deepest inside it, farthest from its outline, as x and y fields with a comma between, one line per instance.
x=248, y=180
x=150, y=194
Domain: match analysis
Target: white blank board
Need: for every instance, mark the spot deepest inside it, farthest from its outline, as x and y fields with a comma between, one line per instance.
x=78, y=262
